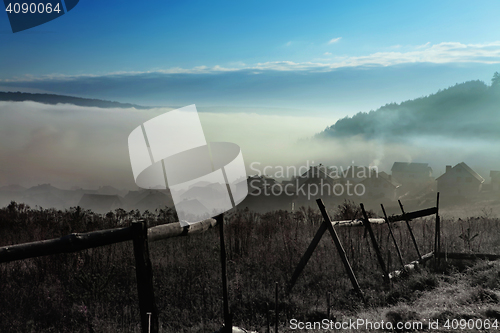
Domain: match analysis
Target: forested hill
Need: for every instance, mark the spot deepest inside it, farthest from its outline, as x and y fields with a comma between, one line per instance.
x=466, y=110
x=56, y=99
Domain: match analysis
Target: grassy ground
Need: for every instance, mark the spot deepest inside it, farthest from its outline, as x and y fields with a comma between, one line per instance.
x=459, y=299
x=95, y=290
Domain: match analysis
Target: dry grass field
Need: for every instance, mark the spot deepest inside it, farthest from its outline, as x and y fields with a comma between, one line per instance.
x=95, y=290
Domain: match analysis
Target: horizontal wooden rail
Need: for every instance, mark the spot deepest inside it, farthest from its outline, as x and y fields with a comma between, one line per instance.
x=467, y=256
x=82, y=241
x=66, y=244
x=395, y=218
x=414, y=215
x=356, y=222
x=170, y=230
x=411, y=266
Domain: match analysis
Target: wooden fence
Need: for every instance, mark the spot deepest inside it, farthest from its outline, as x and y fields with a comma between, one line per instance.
x=366, y=222
x=140, y=235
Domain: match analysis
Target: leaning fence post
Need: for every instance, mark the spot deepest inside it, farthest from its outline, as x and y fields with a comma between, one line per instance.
x=340, y=249
x=144, y=274
x=307, y=255
x=393, y=238
x=409, y=229
x=368, y=227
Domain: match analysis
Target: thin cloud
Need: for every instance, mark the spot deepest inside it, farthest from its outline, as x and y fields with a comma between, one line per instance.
x=327, y=53
x=334, y=40
x=423, y=45
x=442, y=53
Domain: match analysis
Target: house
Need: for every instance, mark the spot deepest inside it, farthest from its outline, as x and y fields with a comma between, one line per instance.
x=265, y=194
x=375, y=184
x=495, y=180
x=258, y=183
x=318, y=175
x=380, y=185
x=317, y=182
x=459, y=180
x=316, y=172
x=411, y=173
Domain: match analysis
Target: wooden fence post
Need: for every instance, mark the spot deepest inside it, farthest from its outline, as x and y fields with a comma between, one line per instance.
x=437, y=241
x=276, y=313
x=407, y=220
x=368, y=227
x=340, y=248
x=144, y=273
x=228, y=325
x=393, y=238
x=305, y=258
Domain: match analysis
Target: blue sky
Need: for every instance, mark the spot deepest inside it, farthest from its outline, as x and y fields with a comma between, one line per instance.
x=255, y=53
x=99, y=37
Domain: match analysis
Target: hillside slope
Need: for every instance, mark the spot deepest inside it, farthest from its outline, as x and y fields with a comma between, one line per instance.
x=466, y=110
x=56, y=99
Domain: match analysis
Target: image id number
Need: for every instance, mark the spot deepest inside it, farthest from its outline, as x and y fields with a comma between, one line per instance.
x=32, y=8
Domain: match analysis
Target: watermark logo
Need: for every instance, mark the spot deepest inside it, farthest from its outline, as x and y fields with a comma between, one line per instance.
x=26, y=14
x=313, y=181
x=204, y=179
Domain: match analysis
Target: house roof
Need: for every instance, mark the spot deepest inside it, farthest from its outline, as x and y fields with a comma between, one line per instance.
x=314, y=173
x=411, y=167
x=466, y=168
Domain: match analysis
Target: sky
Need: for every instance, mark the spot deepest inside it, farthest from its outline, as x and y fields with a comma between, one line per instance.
x=321, y=53
x=99, y=38
x=295, y=66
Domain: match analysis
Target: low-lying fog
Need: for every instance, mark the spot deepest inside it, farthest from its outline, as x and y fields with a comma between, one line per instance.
x=67, y=145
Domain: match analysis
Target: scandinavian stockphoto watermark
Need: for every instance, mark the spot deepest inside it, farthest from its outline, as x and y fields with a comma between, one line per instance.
x=204, y=179
x=310, y=180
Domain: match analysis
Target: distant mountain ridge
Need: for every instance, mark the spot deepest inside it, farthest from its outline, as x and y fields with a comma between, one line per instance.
x=56, y=99
x=466, y=110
